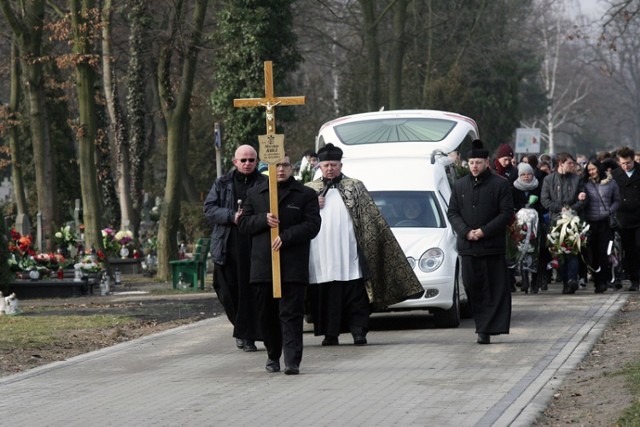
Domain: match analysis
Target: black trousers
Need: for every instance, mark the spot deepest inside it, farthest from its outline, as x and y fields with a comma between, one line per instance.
x=340, y=306
x=239, y=300
x=601, y=235
x=282, y=321
x=486, y=281
x=630, y=240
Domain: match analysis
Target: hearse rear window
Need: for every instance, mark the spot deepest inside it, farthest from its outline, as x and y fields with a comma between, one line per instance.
x=394, y=130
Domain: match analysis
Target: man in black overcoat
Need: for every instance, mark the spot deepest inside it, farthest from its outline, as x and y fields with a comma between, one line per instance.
x=627, y=177
x=480, y=209
x=230, y=249
x=299, y=221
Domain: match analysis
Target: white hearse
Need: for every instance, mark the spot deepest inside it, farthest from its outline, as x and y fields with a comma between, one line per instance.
x=404, y=158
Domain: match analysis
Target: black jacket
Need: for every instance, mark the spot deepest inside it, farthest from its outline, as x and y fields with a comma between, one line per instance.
x=629, y=210
x=219, y=208
x=561, y=190
x=521, y=198
x=483, y=202
x=299, y=215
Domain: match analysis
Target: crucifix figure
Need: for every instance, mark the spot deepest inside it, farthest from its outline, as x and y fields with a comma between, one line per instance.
x=271, y=152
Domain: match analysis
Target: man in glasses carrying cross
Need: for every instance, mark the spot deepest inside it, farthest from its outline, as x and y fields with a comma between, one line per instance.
x=230, y=249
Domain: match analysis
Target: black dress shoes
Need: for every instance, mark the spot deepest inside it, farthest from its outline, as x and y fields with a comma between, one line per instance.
x=272, y=366
x=240, y=343
x=329, y=340
x=291, y=370
x=359, y=339
x=601, y=288
x=249, y=346
x=484, y=338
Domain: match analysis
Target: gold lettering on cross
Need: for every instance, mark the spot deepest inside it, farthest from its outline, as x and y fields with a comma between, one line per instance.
x=269, y=102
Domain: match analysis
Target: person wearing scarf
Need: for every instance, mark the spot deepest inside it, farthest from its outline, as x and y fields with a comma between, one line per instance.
x=524, y=187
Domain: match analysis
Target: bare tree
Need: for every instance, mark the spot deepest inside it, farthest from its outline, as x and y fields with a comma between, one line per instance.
x=398, y=47
x=118, y=131
x=27, y=25
x=563, y=93
x=84, y=18
x=175, y=99
x=619, y=16
x=621, y=67
x=13, y=120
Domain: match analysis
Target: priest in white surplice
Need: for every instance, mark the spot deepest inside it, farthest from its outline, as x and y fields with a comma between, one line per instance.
x=355, y=260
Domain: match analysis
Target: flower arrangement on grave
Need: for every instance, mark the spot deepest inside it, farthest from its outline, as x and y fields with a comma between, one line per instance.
x=568, y=235
x=111, y=246
x=64, y=237
x=52, y=261
x=124, y=238
x=20, y=252
x=150, y=246
x=88, y=264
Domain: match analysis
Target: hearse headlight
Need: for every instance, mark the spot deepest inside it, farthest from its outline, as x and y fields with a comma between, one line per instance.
x=412, y=262
x=431, y=260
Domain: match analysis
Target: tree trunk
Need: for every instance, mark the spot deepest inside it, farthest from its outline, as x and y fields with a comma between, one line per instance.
x=397, y=54
x=188, y=184
x=136, y=106
x=373, y=54
x=28, y=32
x=118, y=131
x=16, y=157
x=87, y=127
x=175, y=109
x=424, y=101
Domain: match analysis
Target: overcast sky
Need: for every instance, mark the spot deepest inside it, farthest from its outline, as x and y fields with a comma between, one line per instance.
x=592, y=8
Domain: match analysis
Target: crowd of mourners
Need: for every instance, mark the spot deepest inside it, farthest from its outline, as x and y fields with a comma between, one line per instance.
x=598, y=193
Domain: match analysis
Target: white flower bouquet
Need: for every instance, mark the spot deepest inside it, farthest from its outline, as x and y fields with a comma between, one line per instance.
x=568, y=235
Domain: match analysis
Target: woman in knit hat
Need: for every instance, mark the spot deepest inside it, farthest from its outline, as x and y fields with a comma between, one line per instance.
x=526, y=186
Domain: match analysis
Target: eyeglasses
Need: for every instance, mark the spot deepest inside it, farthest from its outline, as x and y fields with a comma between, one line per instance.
x=247, y=160
x=283, y=165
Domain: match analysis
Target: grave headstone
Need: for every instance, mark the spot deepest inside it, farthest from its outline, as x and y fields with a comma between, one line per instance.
x=39, y=233
x=77, y=215
x=23, y=225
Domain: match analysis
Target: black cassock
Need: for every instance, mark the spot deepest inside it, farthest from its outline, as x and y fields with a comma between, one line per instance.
x=237, y=295
x=484, y=202
x=489, y=293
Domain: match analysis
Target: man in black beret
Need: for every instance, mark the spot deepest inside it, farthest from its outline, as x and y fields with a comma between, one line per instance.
x=480, y=209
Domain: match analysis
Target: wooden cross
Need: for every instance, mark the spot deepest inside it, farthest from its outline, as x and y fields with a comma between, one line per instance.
x=270, y=101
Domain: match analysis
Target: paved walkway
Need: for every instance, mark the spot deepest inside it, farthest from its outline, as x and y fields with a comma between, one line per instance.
x=410, y=374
